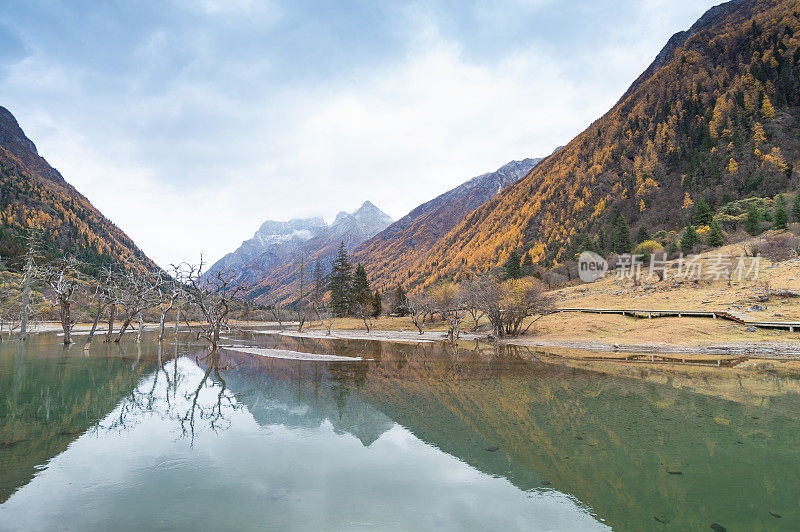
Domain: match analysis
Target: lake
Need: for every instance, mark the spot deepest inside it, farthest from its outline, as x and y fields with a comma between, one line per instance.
x=391, y=435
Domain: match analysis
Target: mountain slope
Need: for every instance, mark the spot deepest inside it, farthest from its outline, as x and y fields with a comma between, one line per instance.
x=389, y=253
x=34, y=194
x=717, y=116
x=268, y=263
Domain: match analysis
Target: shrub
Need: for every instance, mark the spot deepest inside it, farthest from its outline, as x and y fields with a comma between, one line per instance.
x=778, y=247
x=648, y=247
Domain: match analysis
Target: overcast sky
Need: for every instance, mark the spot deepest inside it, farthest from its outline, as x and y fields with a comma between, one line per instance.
x=190, y=122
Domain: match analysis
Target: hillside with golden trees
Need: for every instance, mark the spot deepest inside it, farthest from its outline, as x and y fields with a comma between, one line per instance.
x=33, y=195
x=714, y=117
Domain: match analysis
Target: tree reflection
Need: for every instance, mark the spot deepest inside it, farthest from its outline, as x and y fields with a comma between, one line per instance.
x=176, y=391
x=212, y=413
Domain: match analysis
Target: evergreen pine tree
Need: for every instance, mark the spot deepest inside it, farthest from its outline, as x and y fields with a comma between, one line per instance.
x=642, y=235
x=341, y=280
x=703, y=214
x=752, y=224
x=527, y=264
x=361, y=294
x=796, y=206
x=602, y=242
x=715, y=237
x=377, y=304
x=781, y=217
x=512, y=267
x=689, y=239
x=400, y=301
x=621, y=238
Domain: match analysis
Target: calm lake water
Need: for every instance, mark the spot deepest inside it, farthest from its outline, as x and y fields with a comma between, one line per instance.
x=131, y=437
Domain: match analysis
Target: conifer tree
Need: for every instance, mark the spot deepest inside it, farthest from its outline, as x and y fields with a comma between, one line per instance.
x=377, y=304
x=621, y=237
x=400, y=301
x=527, y=264
x=703, y=214
x=361, y=294
x=341, y=280
x=796, y=206
x=689, y=239
x=602, y=242
x=781, y=217
x=512, y=266
x=715, y=237
x=752, y=224
x=642, y=235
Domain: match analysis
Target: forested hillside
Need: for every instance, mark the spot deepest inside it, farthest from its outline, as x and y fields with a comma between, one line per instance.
x=715, y=117
x=33, y=195
x=396, y=247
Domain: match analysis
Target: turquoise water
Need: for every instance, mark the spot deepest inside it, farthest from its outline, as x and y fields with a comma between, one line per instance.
x=142, y=436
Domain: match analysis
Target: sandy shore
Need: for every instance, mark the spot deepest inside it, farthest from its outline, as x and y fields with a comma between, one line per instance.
x=291, y=355
x=407, y=337
x=760, y=349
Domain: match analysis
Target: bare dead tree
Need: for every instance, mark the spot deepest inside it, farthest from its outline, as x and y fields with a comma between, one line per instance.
x=167, y=291
x=133, y=292
x=418, y=308
x=214, y=296
x=103, y=297
x=470, y=298
x=489, y=299
x=364, y=311
x=302, y=306
x=277, y=312
x=325, y=317
x=64, y=278
x=444, y=298
x=28, y=273
x=112, y=314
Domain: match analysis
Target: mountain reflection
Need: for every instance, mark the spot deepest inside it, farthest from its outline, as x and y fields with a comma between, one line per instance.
x=638, y=453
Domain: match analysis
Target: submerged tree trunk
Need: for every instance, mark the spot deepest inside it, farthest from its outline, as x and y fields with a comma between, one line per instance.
x=111, y=315
x=65, y=320
x=215, y=339
x=26, y=297
x=163, y=319
x=124, y=328
x=100, y=309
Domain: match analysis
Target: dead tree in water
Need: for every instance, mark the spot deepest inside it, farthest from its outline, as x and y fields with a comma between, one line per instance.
x=168, y=291
x=103, y=297
x=64, y=279
x=28, y=272
x=133, y=293
x=214, y=296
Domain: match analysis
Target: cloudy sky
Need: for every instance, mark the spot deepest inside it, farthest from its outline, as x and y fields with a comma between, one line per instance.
x=190, y=122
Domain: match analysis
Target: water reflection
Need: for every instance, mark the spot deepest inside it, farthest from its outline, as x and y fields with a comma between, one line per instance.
x=431, y=436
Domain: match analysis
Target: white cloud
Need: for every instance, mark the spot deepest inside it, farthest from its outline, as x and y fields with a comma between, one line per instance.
x=192, y=148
